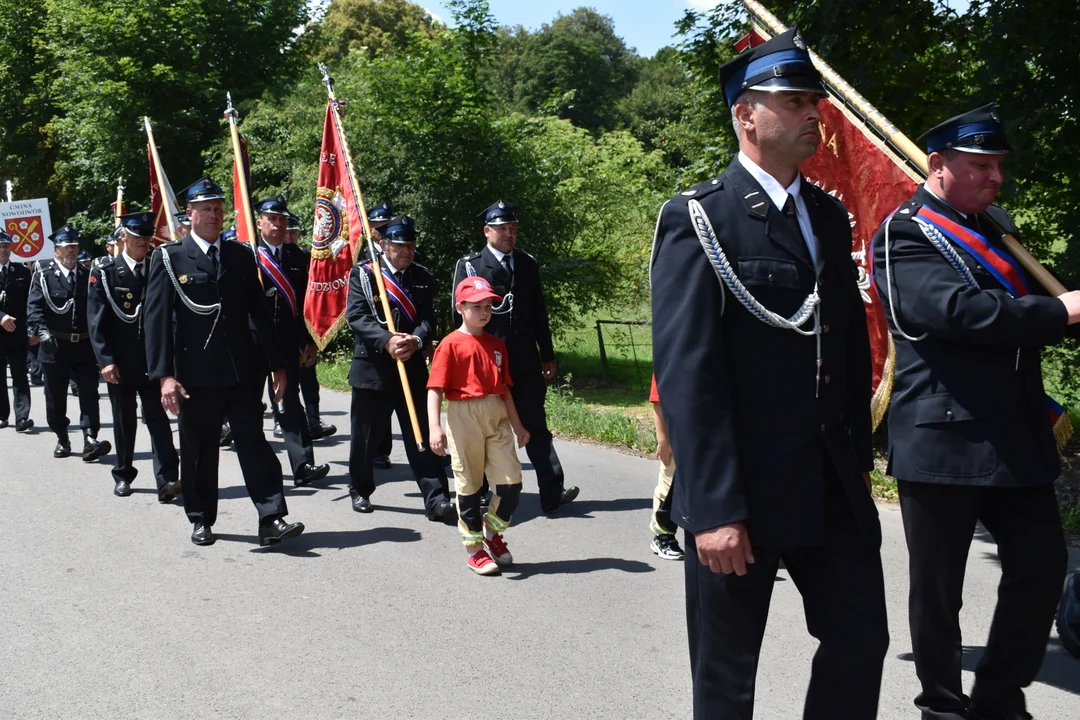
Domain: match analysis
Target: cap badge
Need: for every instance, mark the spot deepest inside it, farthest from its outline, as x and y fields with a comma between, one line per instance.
x=980, y=139
x=502, y=205
x=798, y=41
x=994, y=115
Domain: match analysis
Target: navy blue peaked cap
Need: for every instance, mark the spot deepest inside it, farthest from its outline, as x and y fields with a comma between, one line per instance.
x=229, y=234
x=978, y=131
x=66, y=235
x=401, y=229
x=83, y=256
x=292, y=222
x=140, y=223
x=780, y=63
x=381, y=214
x=273, y=206
x=501, y=213
x=202, y=189
x=5, y=239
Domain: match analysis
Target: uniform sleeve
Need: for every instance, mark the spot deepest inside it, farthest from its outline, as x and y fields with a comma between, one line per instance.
x=425, y=314
x=303, y=263
x=654, y=395
x=35, y=304
x=692, y=377
x=929, y=296
x=358, y=314
x=259, y=315
x=158, y=320
x=860, y=375
x=541, y=327
x=97, y=310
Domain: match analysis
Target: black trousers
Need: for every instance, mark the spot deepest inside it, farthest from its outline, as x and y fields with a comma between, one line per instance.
x=529, y=398
x=57, y=375
x=125, y=425
x=939, y=523
x=843, y=593
x=309, y=389
x=15, y=358
x=370, y=416
x=294, y=425
x=201, y=416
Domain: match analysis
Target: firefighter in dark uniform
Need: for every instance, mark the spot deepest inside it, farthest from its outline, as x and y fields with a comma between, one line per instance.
x=521, y=321
x=56, y=313
x=762, y=363
x=115, y=306
x=14, y=289
x=970, y=435
x=309, y=380
x=374, y=377
x=378, y=217
x=285, y=275
x=202, y=300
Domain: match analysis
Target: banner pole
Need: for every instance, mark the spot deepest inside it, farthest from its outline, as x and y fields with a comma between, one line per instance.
x=375, y=264
x=160, y=180
x=117, y=212
x=245, y=192
x=912, y=152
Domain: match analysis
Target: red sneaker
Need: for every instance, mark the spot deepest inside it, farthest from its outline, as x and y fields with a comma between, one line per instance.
x=482, y=564
x=499, y=552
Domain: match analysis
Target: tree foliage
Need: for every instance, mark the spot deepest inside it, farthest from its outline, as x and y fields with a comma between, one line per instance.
x=369, y=26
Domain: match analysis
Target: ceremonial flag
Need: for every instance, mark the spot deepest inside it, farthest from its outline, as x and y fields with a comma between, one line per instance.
x=162, y=197
x=337, y=232
x=242, y=232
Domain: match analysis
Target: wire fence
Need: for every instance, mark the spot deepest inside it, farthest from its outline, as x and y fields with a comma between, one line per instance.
x=612, y=353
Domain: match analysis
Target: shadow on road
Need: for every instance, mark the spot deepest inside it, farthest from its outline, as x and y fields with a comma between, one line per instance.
x=530, y=508
x=306, y=544
x=1059, y=669
x=523, y=571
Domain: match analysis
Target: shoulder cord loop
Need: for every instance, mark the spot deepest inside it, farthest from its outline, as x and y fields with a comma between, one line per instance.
x=191, y=305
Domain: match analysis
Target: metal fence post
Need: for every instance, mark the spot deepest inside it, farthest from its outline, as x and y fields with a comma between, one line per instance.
x=603, y=353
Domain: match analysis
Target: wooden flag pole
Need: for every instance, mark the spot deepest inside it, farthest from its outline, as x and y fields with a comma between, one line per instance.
x=160, y=180
x=901, y=142
x=375, y=264
x=245, y=192
x=117, y=213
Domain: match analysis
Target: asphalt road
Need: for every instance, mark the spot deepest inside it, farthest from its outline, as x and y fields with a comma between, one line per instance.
x=108, y=611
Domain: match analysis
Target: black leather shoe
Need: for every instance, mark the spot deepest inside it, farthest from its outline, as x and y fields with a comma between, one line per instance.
x=308, y=473
x=94, y=448
x=3, y=423
x=362, y=504
x=277, y=431
x=168, y=492
x=203, y=535
x=566, y=497
x=62, y=450
x=321, y=430
x=122, y=489
x=382, y=462
x=23, y=425
x=37, y=380
x=444, y=511
x=226, y=436
x=277, y=531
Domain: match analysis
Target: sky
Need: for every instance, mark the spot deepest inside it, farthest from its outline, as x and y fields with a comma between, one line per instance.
x=646, y=25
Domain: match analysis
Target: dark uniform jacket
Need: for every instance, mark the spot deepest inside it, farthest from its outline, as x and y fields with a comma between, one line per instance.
x=291, y=329
x=525, y=329
x=968, y=406
x=195, y=349
x=372, y=368
x=116, y=327
x=749, y=431
x=48, y=280
x=14, y=291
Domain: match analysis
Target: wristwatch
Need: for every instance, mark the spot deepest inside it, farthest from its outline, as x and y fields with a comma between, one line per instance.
x=419, y=342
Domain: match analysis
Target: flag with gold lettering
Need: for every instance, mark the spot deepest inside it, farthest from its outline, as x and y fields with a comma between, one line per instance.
x=338, y=230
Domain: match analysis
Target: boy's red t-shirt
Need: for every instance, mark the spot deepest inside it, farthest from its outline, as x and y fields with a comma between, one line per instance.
x=468, y=367
x=654, y=394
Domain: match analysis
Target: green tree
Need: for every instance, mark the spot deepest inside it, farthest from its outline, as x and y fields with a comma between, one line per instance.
x=369, y=25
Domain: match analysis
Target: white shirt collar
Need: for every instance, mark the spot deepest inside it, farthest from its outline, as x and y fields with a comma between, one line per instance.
x=499, y=254
x=772, y=187
x=130, y=263
x=926, y=187
x=4, y=265
x=203, y=244
x=64, y=270
x=391, y=266
x=273, y=248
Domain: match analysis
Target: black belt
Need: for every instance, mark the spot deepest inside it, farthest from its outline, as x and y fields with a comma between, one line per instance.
x=70, y=337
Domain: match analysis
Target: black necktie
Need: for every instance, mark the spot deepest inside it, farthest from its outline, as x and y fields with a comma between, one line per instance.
x=139, y=271
x=793, y=218
x=3, y=274
x=277, y=258
x=212, y=252
x=509, y=268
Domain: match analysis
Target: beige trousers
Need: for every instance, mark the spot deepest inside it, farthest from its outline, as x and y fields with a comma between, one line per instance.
x=661, y=515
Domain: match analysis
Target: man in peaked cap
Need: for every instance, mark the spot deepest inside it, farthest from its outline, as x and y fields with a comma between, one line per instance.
x=763, y=370
x=115, y=306
x=970, y=434
x=203, y=299
x=309, y=381
x=14, y=290
x=378, y=217
x=57, y=314
x=285, y=275
x=377, y=392
x=521, y=321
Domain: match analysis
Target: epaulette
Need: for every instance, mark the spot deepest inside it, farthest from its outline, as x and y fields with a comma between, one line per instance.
x=171, y=243
x=469, y=257
x=44, y=265
x=531, y=257
x=701, y=189
x=906, y=211
x=418, y=266
x=819, y=196
x=1001, y=216
x=104, y=261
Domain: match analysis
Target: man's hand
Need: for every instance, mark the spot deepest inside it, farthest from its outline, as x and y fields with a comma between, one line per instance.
x=48, y=342
x=309, y=355
x=280, y=382
x=1072, y=304
x=171, y=392
x=522, y=435
x=437, y=440
x=8, y=323
x=549, y=370
x=400, y=346
x=111, y=373
x=663, y=451
x=725, y=549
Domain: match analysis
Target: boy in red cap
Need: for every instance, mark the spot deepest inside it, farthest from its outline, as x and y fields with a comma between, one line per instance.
x=470, y=369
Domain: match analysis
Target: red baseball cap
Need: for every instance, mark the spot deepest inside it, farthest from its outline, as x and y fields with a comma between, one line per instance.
x=475, y=289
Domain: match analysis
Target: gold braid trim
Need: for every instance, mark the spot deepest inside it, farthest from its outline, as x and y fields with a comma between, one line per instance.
x=879, y=403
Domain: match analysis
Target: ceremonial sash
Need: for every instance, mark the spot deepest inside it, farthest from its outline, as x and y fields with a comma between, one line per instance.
x=397, y=293
x=1006, y=270
x=273, y=271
